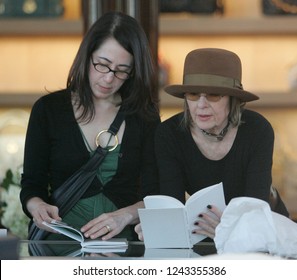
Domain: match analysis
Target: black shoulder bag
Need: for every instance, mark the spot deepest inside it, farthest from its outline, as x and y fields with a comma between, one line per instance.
x=68, y=194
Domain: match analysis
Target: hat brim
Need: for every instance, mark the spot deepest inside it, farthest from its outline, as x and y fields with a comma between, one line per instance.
x=180, y=90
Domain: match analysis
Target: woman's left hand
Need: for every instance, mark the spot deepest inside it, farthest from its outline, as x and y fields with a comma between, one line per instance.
x=138, y=230
x=108, y=225
x=207, y=223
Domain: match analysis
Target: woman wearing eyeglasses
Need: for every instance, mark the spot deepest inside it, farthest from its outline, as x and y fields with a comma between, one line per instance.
x=215, y=139
x=113, y=70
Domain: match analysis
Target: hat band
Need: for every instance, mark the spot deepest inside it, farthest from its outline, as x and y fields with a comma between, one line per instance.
x=211, y=80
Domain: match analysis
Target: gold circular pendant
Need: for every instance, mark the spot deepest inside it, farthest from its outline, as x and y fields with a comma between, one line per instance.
x=97, y=139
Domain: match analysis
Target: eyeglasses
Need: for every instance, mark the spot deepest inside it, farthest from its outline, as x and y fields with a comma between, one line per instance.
x=193, y=96
x=102, y=68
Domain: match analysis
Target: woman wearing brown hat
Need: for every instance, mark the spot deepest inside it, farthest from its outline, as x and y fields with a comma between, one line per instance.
x=215, y=139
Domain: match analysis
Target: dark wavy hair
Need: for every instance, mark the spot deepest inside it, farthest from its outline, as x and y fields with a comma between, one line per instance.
x=139, y=92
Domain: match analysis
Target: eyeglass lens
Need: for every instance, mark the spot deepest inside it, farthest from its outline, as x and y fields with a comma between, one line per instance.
x=193, y=96
x=102, y=68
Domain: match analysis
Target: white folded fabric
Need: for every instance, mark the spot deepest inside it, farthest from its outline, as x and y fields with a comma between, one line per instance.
x=249, y=225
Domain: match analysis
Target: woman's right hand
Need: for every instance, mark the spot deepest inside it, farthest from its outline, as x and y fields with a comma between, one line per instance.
x=42, y=211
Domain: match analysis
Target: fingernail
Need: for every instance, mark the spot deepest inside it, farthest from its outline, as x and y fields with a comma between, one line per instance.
x=196, y=223
x=200, y=215
x=209, y=206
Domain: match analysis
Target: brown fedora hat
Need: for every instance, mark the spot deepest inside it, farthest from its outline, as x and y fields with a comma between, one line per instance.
x=211, y=70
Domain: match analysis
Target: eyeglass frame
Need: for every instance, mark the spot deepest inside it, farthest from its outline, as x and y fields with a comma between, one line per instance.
x=210, y=97
x=110, y=70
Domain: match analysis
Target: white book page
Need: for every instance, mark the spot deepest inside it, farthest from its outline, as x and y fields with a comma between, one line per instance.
x=213, y=190
x=197, y=204
x=66, y=230
x=164, y=228
x=161, y=201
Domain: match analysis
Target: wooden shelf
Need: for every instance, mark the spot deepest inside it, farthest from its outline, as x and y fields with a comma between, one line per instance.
x=218, y=25
x=11, y=100
x=267, y=100
x=45, y=27
x=275, y=100
x=169, y=24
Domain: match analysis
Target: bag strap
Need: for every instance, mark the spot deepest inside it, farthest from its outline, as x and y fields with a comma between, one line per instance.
x=116, y=124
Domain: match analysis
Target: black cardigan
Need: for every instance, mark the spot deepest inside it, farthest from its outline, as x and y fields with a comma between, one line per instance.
x=55, y=149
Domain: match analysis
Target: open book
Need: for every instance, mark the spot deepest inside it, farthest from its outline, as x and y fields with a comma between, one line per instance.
x=168, y=223
x=94, y=245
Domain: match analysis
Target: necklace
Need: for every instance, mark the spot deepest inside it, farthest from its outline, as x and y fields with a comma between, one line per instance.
x=220, y=136
x=97, y=139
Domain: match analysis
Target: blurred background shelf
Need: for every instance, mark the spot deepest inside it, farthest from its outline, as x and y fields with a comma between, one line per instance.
x=51, y=26
x=16, y=100
x=267, y=100
x=168, y=25
x=216, y=25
